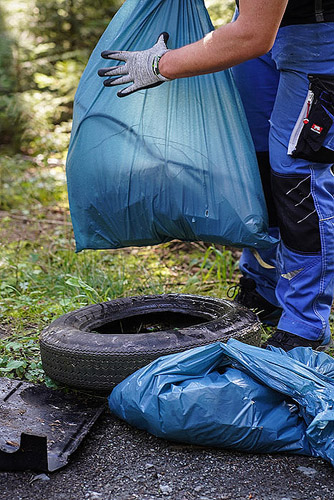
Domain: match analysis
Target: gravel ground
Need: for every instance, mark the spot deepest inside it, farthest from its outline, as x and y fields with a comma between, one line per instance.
x=118, y=462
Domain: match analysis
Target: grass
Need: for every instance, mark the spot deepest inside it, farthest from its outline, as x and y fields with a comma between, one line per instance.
x=41, y=276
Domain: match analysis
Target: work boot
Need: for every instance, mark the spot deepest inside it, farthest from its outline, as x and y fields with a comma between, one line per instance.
x=287, y=341
x=248, y=296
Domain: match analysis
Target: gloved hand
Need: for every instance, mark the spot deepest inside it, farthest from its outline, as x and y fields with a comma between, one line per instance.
x=141, y=67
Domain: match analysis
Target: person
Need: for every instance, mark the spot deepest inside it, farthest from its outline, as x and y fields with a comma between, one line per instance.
x=282, y=57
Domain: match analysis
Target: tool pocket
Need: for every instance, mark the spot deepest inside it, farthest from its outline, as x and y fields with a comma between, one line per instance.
x=313, y=135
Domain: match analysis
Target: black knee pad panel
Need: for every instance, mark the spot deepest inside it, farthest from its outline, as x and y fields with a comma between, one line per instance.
x=265, y=173
x=297, y=216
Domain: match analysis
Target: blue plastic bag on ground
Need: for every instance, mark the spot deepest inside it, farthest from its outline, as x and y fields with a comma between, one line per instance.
x=176, y=161
x=235, y=396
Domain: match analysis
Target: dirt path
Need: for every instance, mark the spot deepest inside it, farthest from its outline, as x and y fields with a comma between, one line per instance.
x=117, y=462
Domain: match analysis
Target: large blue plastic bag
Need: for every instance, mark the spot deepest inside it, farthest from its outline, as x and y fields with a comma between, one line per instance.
x=235, y=396
x=302, y=374
x=176, y=161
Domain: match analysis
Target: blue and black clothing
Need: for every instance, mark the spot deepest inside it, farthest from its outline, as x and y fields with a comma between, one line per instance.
x=306, y=12
x=288, y=96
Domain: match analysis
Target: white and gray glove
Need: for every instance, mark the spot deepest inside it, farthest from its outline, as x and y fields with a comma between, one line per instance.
x=141, y=67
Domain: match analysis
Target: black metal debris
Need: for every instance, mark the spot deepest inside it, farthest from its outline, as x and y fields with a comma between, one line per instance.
x=41, y=427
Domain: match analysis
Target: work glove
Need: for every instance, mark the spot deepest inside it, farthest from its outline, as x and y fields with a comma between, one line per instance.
x=141, y=67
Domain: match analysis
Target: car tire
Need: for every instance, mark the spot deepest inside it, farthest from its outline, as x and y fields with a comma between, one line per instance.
x=96, y=347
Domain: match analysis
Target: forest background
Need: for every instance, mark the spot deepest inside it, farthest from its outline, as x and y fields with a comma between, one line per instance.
x=43, y=51
x=44, y=47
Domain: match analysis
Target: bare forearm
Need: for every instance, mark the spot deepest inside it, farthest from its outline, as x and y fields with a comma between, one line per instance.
x=251, y=35
x=219, y=50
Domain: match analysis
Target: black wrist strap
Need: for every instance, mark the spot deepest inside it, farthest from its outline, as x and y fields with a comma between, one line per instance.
x=319, y=11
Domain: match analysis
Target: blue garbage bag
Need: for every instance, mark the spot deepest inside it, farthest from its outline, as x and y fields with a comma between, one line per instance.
x=235, y=396
x=173, y=162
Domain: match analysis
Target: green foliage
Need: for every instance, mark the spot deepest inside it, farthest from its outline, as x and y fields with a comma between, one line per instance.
x=70, y=25
x=6, y=69
x=10, y=110
x=220, y=263
x=21, y=357
x=221, y=11
x=44, y=47
x=28, y=186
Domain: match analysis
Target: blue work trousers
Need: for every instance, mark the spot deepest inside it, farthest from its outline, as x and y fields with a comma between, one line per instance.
x=297, y=274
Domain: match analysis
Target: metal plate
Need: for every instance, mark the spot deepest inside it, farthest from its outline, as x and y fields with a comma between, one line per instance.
x=40, y=427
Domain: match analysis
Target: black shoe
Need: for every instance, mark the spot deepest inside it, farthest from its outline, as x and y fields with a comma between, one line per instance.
x=287, y=341
x=250, y=298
